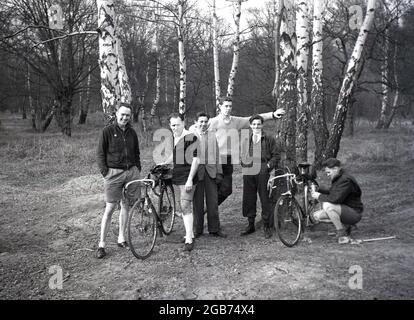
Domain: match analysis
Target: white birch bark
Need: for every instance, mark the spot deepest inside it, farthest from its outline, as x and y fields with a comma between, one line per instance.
x=236, y=49
x=108, y=61
x=348, y=83
x=158, y=74
x=277, y=20
x=384, y=81
x=182, y=58
x=216, y=62
x=302, y=59
x=125, y=94
x=317, y=110
x=288, y=94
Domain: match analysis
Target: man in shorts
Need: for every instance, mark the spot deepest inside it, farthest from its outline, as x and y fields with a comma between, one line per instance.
x=341, y=203
x=119, y=163
x=185, y=161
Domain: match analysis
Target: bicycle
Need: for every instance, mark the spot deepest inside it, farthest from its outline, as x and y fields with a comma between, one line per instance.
x=290, y=217
x=144, y=221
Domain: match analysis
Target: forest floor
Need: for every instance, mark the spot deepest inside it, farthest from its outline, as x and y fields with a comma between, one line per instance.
x=51, y=205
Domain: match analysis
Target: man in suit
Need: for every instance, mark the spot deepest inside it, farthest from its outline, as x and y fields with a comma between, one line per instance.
x=209, y=174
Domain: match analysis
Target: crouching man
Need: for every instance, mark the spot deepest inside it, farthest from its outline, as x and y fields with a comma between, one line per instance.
x=341, y=203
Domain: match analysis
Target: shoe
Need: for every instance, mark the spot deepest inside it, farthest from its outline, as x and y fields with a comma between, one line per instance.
x=267, y=232
x=123, y=244
x=189, y=246
x=219, y=233
x=340, y=233
x=100, y=253
x=250, y=229
x=183, y=241
x=344, y=240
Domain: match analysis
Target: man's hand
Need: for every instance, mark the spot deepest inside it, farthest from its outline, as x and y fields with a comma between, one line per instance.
x=279, y=113
x=315, y=194
x=189, y=185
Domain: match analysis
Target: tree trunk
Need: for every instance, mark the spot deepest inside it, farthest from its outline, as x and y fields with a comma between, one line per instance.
x=302, y=56
x=64, y=113
x=394, y=108
x=288, y=92
x=278, y=11
x=348, y=83
x=350, y=123
x=85, y=106
x=317, y=107
x=385, y=82
x=216, y=61
x=125, y=93
x=236, y=50
x=182, y=59
x=108, y=61
x=156, y=101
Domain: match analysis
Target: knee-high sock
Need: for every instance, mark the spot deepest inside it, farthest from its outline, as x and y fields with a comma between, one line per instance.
x=188, y=225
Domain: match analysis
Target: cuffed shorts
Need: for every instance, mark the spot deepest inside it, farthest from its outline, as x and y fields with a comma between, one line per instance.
x=183, y=194
x=349, y=216
x=115, y=180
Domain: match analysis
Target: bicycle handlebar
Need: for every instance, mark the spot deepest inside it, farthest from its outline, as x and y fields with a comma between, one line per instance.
x=145, y=181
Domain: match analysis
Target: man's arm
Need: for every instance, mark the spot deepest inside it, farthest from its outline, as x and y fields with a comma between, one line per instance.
x=337, y=193
x=275, y=153
x=243, y=122
x=273, y=115
x=137, y=152
x=193, y=172
x=101, y=154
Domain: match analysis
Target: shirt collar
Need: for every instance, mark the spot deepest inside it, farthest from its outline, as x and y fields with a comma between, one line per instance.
x=183, y=134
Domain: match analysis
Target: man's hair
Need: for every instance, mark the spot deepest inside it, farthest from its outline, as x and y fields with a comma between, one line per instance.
x=331, y=162
x=256, y=117
x=226, y=98
x=175, y=115
x=126, y=105
x=202, y=114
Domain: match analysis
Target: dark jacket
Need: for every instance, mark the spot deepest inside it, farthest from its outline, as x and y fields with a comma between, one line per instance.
x=270, y=153
x=118, y=149
x=183, y=153
x=344, y=190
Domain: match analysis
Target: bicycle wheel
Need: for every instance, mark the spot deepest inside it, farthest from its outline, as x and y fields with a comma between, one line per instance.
x=167, y=208
x=142, y=231
x=288, y=220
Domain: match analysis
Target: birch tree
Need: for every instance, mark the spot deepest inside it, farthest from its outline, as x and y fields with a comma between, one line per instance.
x=216, y=61
x=236, y=48
x=302, y=58
x=182, y=57
x=348, y=83
x=108, y=60
x=278, y=9
x=317, y=110
x=288, y=92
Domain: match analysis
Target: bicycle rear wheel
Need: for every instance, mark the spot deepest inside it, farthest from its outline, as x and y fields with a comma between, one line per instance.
x=142, y=231
x=167, y=208
x=288, y=220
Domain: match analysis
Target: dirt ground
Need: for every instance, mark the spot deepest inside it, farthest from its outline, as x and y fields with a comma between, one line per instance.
x=47, y=223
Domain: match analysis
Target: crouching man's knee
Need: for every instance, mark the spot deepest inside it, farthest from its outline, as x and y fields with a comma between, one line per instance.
x=330, y=207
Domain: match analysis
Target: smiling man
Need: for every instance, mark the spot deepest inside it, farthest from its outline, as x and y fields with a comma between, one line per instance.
x=119, y=162
x=227, y=129
x=260, y=155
